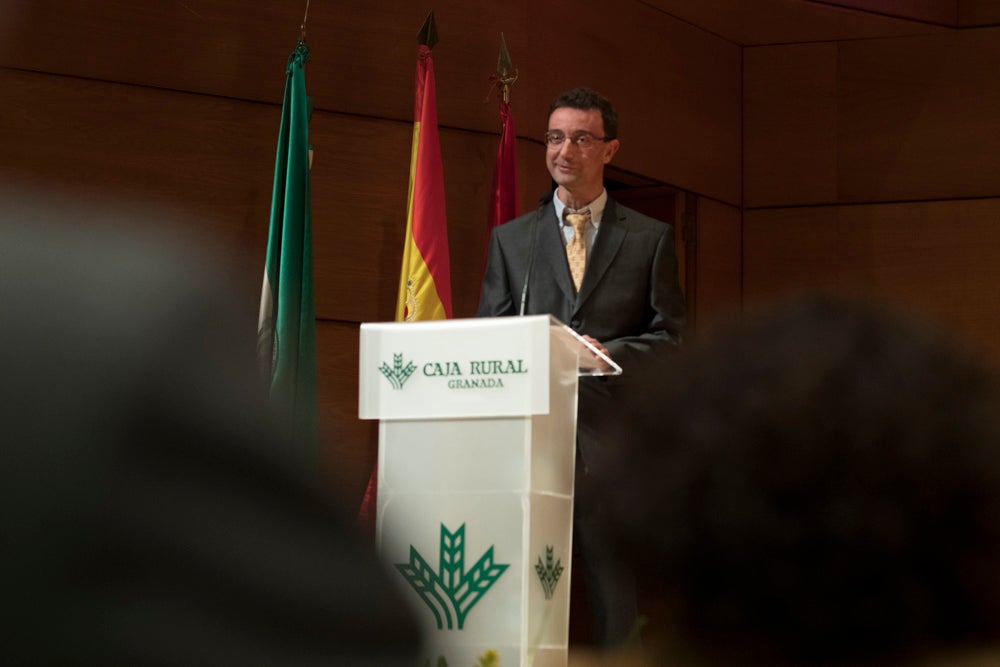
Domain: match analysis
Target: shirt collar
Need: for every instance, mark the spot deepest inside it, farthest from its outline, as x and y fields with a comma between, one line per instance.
x=596, y=207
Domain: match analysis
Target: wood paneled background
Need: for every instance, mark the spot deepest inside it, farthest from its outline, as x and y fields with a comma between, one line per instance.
x=873, y=167
x=795, y=144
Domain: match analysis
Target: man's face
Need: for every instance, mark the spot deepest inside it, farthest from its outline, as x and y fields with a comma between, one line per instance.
x=572, y=167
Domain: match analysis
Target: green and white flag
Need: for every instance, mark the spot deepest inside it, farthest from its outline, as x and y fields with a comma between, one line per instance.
x=286, y=332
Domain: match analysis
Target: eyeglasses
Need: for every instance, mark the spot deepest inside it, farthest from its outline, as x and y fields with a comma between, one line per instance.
x=582, y=139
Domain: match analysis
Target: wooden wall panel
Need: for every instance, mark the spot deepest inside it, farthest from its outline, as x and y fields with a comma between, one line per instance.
x=350, y=445
x=913, y=118
x=677, y=88
x=363, y=53
x=719, y=261
x=204, y=165
x=533, y=177
x=763, y=22
x=943, y=12
x=360, y=176
x=220, y=48
x=790, y=125
x=359, y=179
x=908, y=127
x=201, y=163
x=208, y=162
x=978, y=12
x=919, y=117
x=965, y=13
x=468, y=163
x=791, y=248
x=361, y=79
x=940, y=259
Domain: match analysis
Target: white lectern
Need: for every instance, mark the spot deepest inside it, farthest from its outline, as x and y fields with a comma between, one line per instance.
x=475, y=478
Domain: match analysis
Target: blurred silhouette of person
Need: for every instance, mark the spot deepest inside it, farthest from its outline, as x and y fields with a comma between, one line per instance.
x=820, y=487
x=150, y=518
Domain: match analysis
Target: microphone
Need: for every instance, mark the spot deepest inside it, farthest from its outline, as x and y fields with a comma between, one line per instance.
x=543, y=201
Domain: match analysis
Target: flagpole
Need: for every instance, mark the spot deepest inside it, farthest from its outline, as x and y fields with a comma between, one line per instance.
x=506, y=73
x=302, y=28
x=503, y=206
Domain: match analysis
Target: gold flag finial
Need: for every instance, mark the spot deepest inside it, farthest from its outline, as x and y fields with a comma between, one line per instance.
x=506, y=74
x=302, y=28
x=428, y=35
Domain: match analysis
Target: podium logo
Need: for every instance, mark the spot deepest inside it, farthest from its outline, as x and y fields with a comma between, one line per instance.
x=397, y=374
x=549, y=572
x=451, y=592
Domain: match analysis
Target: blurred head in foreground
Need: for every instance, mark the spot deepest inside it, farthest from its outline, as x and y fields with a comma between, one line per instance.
x=822, y=488
x=150, y=515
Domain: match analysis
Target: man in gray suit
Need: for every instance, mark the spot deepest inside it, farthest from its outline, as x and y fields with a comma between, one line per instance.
x=611, y=274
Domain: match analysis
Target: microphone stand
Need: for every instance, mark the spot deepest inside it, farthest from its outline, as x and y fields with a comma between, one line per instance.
x=543, y=201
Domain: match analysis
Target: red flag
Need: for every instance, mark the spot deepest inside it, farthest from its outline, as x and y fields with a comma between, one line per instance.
x=504, y=205
x=425, y=278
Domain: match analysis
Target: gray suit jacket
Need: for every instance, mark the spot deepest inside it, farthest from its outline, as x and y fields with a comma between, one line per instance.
x=630, y=300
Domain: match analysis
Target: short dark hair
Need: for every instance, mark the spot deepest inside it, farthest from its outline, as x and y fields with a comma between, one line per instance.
x=586, y=99
x=820, y=485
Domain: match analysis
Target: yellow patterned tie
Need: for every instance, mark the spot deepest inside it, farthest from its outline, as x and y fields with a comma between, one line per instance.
x=576, y=249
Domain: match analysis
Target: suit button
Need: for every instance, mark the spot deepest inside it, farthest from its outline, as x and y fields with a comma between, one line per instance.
x=575, y=324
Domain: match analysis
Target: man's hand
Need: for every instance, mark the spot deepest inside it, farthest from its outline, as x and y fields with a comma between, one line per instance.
x=601, y=364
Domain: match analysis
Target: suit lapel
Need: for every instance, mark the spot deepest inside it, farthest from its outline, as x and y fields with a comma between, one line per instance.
x=609, y=240
x=552, y=248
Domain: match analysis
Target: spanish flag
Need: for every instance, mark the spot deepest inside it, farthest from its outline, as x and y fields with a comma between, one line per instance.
x=425, y=279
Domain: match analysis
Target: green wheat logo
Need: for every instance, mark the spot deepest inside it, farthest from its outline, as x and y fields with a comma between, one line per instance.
x=398, y=374
x=451, y=592
x=549, y=573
